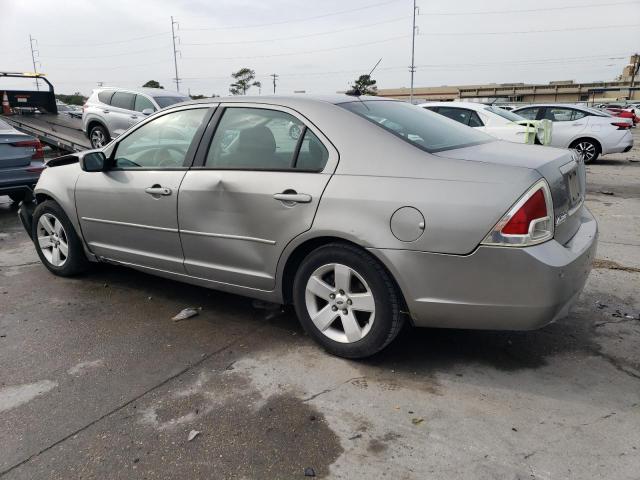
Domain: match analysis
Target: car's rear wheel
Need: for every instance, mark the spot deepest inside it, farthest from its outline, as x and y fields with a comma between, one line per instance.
x=56, y=241
x=99, y=136
x=347, y=301
x=587, y=148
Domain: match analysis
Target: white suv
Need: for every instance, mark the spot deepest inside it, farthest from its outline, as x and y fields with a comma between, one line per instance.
x=109, y=111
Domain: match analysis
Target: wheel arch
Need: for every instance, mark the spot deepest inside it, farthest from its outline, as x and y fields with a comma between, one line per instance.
x=586, y=137
x=95, y=122
x=300, y=252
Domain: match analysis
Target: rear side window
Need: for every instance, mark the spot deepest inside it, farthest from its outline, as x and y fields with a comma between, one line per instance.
x=166, y=101
x=424, y=129
x=143, y=103
x=105, y=96
x=528, y=113
x=123, y=100
x=263, y=139
x=474, y=120
x=457, y=114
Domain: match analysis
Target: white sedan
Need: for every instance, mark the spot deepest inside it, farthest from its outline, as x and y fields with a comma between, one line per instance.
x=495, y=121
x=589, y=131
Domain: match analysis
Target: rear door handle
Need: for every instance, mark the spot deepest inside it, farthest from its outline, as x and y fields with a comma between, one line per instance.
x=293, y=197
x=134, y=116
x=105, y=111
x=158, y=190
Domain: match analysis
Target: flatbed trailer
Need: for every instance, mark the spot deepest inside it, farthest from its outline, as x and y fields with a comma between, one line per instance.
x=56, y=129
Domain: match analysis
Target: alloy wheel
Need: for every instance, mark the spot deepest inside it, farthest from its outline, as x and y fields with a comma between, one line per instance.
x=97, y=138
x=586, y=150
x=53, y=240
x=340, y=303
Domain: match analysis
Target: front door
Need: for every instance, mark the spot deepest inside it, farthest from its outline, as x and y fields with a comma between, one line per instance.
x=121, y=114
x=129, y=213
x=257, y=187
x=568, y=124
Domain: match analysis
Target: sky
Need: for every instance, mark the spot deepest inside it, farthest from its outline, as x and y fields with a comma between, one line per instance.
x=316, y=46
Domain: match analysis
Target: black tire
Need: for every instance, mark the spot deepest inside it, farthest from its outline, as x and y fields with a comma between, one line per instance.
x=76, y=261
x=388, y=320
x=99, y=132
x=588, y=148
x=18, y=196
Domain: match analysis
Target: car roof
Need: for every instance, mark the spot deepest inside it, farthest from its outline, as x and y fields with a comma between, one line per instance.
x=561, y=105
x=471, y=105
x=154, y=92
x=288, y=100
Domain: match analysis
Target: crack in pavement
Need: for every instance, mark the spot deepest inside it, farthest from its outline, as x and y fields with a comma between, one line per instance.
x=331, y=389
x=19, y=265
x=616, y=363
x=126, y=404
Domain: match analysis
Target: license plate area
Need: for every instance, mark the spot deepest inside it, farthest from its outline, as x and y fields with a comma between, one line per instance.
x=573, y=184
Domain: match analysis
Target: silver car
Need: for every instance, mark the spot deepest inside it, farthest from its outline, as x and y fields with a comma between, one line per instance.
x=110, y=111
x=379, y=213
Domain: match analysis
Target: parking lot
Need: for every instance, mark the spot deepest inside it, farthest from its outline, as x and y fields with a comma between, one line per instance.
x=97, y=381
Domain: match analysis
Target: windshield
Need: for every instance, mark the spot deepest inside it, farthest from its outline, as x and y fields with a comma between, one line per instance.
x=420, y=127
x=166, y=101
x=514, y=117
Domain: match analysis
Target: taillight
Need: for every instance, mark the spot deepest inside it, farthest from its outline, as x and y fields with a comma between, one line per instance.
x=38, y=169
x=528, y=222
x=83, y=107
x=38, y=152
x=621, y=125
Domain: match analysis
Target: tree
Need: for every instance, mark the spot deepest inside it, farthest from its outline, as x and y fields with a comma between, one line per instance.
x=364, y=85
x=76, y=99
x=152, y=84
x=244, y=80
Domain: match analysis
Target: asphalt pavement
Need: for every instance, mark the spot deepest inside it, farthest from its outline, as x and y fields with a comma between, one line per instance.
x=98, y=382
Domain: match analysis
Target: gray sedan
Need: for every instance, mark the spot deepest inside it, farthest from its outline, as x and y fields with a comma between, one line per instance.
x=377, y=214
x=21, y=161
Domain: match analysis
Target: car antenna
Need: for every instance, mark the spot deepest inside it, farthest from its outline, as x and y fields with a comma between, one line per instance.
x=355, y=92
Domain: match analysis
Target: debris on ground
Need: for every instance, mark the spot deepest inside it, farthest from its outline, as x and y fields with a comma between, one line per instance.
x=417, y=421
x=193, y=434
x=186, y=313
x=309, y=472
x=356, y=436
x=601, y=305
x=273, y=309
x=606, y=192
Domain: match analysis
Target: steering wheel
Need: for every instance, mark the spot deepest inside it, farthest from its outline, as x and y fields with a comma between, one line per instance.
x=167, y=162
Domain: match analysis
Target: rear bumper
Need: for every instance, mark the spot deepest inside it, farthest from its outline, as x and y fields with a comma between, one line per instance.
x=501, y=288
x=624, y=145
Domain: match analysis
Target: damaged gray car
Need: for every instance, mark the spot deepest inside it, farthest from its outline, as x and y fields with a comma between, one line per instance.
x=377, y=214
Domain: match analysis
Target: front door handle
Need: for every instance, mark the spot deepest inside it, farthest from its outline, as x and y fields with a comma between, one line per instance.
x=158, y=190
x=105, y=111
x=289, y=196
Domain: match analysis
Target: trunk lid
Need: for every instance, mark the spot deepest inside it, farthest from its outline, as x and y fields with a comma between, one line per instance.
x=563, y=170
x=12, y=156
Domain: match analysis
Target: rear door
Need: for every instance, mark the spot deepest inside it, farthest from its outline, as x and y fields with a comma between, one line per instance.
x=121, y=112
x=129, y=213
x=253, y=188
x=568, y=124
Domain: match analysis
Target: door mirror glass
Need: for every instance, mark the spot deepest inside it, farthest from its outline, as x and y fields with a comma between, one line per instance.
x=94, y=162
x=147, y=111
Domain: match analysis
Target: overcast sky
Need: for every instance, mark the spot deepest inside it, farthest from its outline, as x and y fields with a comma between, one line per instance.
x=318, y=46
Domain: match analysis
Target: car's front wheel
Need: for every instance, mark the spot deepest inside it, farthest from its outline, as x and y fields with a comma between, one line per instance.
x=347, y=301
x=56, y=241
x=587, y=148
x=99, y=136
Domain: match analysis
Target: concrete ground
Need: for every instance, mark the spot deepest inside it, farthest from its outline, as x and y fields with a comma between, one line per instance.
x=96, y=381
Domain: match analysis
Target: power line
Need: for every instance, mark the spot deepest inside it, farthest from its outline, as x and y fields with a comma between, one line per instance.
x=529, y=10
x=301, y=52
x=329, y=32
x=599, y=27
x=305, y=19
x=94, y=57
x=83, y=44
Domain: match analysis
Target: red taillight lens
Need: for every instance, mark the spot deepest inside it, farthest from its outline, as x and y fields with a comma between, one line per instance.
x=621, y=125
x=38, y=152
x=534, y=208
x=36, y=169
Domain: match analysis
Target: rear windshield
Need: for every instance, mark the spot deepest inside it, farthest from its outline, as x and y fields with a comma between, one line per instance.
x=166, y=101
x=420, y=127
x=514, y=117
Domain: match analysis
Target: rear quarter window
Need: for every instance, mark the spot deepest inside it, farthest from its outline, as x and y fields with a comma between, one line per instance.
x=105, y=96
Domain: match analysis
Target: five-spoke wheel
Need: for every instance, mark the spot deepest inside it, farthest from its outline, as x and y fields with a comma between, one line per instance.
x=52, y=239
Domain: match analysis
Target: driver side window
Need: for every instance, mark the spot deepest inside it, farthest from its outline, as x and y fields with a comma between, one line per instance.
x=161, y=143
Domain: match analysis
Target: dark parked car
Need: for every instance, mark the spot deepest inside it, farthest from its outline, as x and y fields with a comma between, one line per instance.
x=21, y=161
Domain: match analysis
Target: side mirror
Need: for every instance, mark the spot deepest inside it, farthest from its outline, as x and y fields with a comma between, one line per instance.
x=93, y=162
x=147, y=111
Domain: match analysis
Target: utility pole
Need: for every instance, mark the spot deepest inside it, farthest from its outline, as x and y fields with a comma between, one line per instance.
x=412, y=68
x=33, y=58
x=274, y=81
x=634, y=72
x=175, y=52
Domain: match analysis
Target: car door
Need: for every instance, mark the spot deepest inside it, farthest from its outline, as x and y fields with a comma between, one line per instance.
x=253, y=188
x=460, y=115
x=530, y=113
x=121, y=114
x=568, y=124
x=129, y=212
